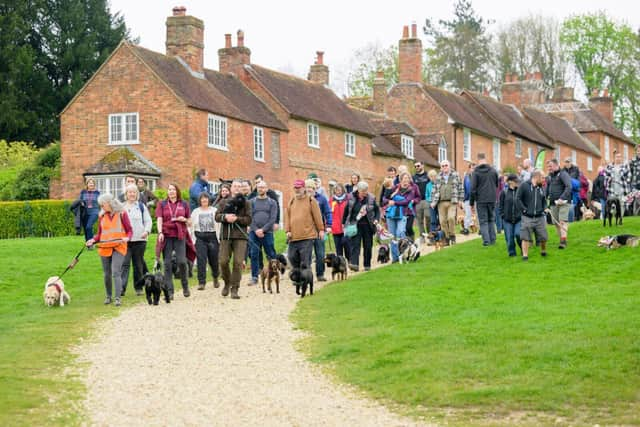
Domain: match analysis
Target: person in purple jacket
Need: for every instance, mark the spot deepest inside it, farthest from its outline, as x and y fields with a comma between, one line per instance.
x=397, y=208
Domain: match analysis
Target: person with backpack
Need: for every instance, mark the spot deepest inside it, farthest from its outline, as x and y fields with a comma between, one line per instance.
x=264, y=214
x=173, y=215
x=359, y=221
x=141, y=223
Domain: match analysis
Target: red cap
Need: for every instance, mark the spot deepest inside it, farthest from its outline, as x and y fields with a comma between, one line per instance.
x=298, y=183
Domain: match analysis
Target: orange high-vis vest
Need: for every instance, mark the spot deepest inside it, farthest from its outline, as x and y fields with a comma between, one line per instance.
x=111, y=236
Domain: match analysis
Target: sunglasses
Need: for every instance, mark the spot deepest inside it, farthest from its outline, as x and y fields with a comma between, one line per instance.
x=417, y=165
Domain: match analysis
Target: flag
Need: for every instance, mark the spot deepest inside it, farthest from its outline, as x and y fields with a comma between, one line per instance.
x=540, y=160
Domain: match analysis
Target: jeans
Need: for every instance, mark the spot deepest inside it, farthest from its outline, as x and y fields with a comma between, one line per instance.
x=409, y=227
x=498, y=221
x=207, y=248
x=299, y=253
x=363, y=237
x=135, y=256
x=512, y=235
x=487, y=218
x=342, y=245
x=435, y=221
x=397, y=227
x=318, y=248
x=92, y=217
x=255, y=250
x=467, y=214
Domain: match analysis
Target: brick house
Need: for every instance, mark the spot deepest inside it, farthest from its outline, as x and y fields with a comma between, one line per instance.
x=162, y=116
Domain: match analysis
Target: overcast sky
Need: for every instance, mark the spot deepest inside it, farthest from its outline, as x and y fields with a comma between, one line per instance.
x=285, y=34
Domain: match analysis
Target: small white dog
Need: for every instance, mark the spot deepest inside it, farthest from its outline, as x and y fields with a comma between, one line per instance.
x=54, y=292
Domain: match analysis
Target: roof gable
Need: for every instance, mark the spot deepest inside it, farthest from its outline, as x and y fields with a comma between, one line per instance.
x=560, y=130
x=463, y=112
x=510, y=118
x=309, y=100
x=123, y=160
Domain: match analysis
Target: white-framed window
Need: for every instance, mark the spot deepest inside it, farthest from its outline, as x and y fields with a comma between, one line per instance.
x=114, y=184
x=625, y=153
x=217, y=132
x=607, y=158
x=406, y=145
x=496, y=153
x=574, y=157
x=123, y=129
x=518, y=147
x=349, y=144
x=258, y=144
x=442, y=150
x=530, y=154
x=589, y=163
x=214, y=186
x=556, y=153
x=466, y=144
x=313, y=135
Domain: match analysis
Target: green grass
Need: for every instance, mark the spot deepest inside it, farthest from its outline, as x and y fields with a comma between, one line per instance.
x=474, y=336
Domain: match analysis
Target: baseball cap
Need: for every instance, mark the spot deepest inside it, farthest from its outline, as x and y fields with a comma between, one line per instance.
x=298, y=183
x=312, y=175
x=512, y=177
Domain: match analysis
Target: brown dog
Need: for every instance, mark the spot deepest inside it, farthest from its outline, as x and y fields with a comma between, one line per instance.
x=474, y=224
x=270, y=272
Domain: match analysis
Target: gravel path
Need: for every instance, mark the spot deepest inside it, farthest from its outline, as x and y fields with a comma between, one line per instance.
x=208, y=360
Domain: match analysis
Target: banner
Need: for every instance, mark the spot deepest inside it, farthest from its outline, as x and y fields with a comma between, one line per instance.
x=540, y=160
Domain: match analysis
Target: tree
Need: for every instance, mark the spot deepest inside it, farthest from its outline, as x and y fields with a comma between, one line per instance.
x=366, y=62
x=606, y=54
x=48, y=50
x=530, y=44
x=460, y=55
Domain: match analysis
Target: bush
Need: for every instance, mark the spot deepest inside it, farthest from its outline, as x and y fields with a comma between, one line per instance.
x=40, y=218
x=49, y=157
x=16, y=153
x=32, y=183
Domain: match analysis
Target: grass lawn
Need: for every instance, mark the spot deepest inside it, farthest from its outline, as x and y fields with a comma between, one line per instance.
x=473, y=337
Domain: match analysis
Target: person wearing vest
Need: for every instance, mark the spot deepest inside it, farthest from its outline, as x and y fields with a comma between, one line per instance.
x=264, y=214
x=114, y=231
x=172, y=216
x=447, y=195
x=363, y=211
x=140, y=220
x=303, y=225
x=234, y=221
x=207, y=246
x=339, y=202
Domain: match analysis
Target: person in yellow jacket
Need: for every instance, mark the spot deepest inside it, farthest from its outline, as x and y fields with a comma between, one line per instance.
x=114, y=231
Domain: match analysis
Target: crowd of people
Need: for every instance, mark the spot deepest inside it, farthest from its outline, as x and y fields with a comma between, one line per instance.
x=221, y=232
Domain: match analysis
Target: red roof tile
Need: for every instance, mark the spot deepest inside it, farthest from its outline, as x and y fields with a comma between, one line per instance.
x=560, y=131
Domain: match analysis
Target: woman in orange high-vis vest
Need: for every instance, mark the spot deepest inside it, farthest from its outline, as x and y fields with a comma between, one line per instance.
x=114, y=231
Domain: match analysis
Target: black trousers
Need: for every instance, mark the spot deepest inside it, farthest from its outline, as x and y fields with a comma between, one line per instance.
x=207, y=248
x=180, y=247
x=135, y=256
x=364, y=237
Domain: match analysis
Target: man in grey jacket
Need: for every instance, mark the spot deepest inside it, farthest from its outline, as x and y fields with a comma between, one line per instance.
x=484, y=184
x=264, y=211
x=559, y=195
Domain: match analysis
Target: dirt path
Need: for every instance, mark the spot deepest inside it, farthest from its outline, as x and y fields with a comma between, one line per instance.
x=208, y=360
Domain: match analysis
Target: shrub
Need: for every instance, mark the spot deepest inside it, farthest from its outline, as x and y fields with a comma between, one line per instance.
x=16, y=153
x=49, y=157
x=40, y=218
x=32, y=183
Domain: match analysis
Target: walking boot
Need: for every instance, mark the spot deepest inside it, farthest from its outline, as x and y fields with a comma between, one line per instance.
x=225, y=290
x=234, y=293
x=216, y=284
x=201, y=286
x=185, y=291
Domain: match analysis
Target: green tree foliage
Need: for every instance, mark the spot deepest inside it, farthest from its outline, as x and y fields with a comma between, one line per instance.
x=606, y=54
x=459, y=55
x=368, y=60
x=530, y=44
x=48, y=50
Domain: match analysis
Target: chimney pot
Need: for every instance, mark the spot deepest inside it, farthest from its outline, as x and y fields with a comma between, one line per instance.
x=319, y=57
x=227, y=41
x=507, y=77
x=380, y=74
x=179, y=11
x=414, y=30
x=240, y=38
x=515, y=78
x=405, y=32
x=537, y=75
x=595, y=92
x=605, y=93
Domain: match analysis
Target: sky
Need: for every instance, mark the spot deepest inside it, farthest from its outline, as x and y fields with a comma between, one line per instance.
x=285, y=34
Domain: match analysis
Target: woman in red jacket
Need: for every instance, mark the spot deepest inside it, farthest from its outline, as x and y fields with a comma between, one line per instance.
x=338, y=204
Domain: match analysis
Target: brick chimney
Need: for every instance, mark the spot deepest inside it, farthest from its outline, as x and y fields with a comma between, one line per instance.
x=233, y=59
x=563, y=94
x=319, y=72
x=530, y=91
x=410, y=56
x=185, y=38
x=379, y=92
x=603, y=104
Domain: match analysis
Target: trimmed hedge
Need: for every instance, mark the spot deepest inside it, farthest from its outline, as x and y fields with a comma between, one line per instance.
x=36, y=218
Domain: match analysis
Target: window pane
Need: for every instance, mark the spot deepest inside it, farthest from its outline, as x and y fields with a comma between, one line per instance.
x=116, y=128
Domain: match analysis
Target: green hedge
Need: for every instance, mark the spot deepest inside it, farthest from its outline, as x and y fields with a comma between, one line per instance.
x=36, y=218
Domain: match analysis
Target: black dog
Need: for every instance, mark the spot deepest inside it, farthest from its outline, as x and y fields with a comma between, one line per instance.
x=234, y=205
x=154, y=284
x=282, y=260
x=612, y=209
x=383, y=254
x=302, y=277
x=174, y=267
x=338, y=266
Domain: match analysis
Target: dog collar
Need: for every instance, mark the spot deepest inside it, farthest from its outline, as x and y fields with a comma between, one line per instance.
x=56, y=286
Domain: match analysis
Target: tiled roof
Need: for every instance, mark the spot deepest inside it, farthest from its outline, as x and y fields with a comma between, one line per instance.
x=589, y=120
x=123, y=160
x=559, y=130
x=464, y=112
x=219, y=94
x=381, y=145
x=510, y=118
x=310, y=101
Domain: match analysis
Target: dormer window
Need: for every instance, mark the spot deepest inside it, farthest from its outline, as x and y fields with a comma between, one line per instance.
x=406, y=145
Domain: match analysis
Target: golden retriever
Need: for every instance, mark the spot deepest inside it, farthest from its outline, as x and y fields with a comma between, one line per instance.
x=54, y=293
